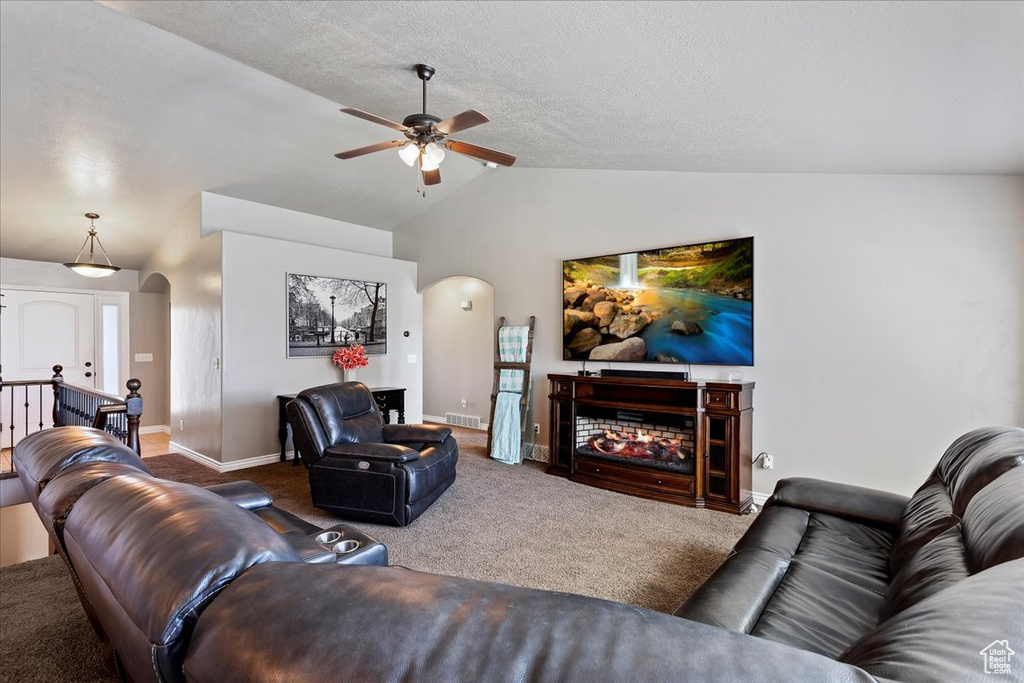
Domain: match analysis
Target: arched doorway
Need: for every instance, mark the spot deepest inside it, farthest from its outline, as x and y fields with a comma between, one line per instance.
x=153, y=334
x=458, y=348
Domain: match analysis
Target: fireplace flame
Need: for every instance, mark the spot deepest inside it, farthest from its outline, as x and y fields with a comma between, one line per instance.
x=638, y=445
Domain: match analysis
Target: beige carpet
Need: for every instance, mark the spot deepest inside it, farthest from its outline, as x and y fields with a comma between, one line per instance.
x=517, y=525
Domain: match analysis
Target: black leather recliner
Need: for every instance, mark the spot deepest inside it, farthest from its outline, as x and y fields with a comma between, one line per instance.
x=359, y=467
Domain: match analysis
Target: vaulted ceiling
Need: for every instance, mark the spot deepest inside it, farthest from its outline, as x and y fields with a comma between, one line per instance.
x=130, y=109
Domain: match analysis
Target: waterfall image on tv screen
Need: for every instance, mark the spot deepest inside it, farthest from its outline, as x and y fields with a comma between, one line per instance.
x=688, y=304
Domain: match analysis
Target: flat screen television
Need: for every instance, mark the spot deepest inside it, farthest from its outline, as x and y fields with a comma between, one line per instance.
x=688, y=304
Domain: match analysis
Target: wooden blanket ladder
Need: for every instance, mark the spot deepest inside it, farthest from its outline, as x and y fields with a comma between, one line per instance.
x=500, y=365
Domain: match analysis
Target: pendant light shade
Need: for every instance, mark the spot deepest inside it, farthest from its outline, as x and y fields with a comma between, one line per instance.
x=433, y=154
x=409, y=152
x=90, y=268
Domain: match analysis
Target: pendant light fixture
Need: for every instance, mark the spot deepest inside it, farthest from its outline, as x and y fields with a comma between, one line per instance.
x=90, y=268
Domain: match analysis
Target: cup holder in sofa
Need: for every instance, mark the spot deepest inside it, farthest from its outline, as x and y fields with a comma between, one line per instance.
x=328, y=538
x=351, y=546
x=346, y=546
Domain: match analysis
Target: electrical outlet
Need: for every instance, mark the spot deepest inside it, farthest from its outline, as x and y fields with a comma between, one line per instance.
x=464, y=403
x=410, y=358
x=767, y=462
x=536, y=427
x=181, y=425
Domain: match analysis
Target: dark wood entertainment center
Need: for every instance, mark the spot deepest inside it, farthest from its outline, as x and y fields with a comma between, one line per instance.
x=714, y=420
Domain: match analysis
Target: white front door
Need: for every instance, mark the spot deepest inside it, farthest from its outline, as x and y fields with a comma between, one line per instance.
x=37, y=331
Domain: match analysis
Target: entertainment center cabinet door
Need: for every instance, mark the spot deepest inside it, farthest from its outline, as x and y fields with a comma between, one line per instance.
x=727, y=446
x=562, y=425
x=718, y=434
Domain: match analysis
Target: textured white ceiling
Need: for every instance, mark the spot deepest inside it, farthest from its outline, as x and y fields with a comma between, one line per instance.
x=101, y=112
x=834, y=87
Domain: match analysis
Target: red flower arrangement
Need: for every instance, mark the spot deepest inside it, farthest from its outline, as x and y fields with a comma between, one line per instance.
x=351, y=357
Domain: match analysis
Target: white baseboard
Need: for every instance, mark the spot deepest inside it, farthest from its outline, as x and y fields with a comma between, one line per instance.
x=250, y=462
x=760, y=498
x=439, y=419
x=223, y=467
x=194, y=455
x=155, y=429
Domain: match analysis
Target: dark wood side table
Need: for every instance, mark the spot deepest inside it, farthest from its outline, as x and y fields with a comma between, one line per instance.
x=387, y=398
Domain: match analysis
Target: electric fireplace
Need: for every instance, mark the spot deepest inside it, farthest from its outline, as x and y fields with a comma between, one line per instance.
x=675, y=440
x=636, y=438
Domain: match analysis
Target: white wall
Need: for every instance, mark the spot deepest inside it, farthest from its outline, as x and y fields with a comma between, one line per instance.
x=458, y=347
x=256, y=367
x=251, y=218
x=888, y=309
x=192, y=265
x=147, y=314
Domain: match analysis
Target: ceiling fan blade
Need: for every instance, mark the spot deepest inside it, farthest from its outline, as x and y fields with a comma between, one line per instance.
x=369, y=149
x=467, y=119
x=373, y=118
x=481, y=153
x=432, y=177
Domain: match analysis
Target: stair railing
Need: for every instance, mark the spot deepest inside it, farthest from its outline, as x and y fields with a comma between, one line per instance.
x=72, y=405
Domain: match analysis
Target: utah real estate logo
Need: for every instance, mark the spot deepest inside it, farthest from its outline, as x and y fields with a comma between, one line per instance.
x=997, y=657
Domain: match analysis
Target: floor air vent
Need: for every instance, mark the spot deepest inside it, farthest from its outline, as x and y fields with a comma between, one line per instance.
x=471, y=421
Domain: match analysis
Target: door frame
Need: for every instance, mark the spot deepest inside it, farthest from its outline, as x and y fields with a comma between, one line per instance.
x=119, y=298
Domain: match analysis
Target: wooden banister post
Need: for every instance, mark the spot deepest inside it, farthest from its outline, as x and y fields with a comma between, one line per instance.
x=133, y=401
x=55, y=381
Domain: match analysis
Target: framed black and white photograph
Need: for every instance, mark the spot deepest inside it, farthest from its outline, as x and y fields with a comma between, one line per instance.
x=328, y=313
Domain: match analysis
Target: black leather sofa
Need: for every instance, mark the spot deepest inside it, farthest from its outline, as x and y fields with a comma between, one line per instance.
x=831, y=583
x=147, y=555
x=363, y=469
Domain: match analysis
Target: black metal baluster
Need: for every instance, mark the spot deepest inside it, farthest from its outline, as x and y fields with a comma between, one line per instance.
x=40, y=407
x=26, y=413
x=12, y=417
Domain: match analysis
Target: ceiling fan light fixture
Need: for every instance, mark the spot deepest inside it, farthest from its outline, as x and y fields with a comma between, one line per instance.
x=90, y=268
x=428, y=138
x=433, y=154
x=409, y=153
x=427, y=165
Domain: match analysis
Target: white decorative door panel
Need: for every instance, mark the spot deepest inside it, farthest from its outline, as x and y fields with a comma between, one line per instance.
x=37, y=331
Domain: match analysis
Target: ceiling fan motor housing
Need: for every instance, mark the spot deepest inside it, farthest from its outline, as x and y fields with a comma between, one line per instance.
x=421, y=123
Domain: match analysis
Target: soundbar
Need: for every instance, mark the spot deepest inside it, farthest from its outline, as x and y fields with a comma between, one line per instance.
x=648, y=374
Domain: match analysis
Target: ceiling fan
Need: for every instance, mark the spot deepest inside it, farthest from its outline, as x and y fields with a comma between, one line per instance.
x=426, y=137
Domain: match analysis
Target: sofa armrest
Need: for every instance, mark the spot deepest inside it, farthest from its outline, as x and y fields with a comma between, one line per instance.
x=373, y=451
x=308, y=549
x=244, y=494
x=308, y=434
x=841, y=500
x=416, y=433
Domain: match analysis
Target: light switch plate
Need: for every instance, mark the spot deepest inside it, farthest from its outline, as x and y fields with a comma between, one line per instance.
x=143, y=358
x=410, y=358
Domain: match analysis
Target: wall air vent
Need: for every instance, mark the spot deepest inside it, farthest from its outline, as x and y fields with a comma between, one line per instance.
x=471, y=421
